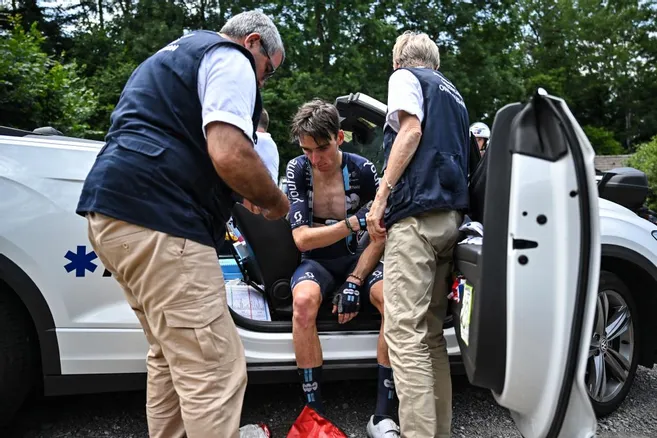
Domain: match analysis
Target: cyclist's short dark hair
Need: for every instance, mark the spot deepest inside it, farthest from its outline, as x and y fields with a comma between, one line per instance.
x=317, y=119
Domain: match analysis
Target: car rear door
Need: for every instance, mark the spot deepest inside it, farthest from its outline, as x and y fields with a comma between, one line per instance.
x=524, y=317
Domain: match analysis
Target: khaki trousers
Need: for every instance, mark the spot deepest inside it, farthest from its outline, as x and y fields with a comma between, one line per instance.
x=196, y=365
x=418, y=257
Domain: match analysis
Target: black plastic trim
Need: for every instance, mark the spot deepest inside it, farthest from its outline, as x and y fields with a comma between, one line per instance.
x=604, y=180
x=14, y=132
x=39, y=311
x=357, y=325
x=544, y=143
x=331, y=370
x=258, y=374
x=624, y=253
x=484, y=358
x=492, y=314
x=620, y=252
x=75, y=384
x=469, y=253
x=583, y=279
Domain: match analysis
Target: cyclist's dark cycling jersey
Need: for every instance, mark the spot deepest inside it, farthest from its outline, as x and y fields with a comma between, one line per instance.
x=361, y=182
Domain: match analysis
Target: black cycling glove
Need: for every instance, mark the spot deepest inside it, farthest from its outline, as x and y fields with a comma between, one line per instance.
x=347, y=298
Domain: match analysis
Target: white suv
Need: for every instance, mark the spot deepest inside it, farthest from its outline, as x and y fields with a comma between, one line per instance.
x=553, y=250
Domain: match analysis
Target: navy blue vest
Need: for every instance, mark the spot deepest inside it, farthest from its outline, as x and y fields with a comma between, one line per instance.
x=155, y=170
x=437, y=176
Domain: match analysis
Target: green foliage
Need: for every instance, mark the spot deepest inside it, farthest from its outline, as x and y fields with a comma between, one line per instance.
x=645, y=159
x=69, y=103
x=603, y=141
x=66, y=65
x=598, y=57
x=23, y=69
x=37, y=90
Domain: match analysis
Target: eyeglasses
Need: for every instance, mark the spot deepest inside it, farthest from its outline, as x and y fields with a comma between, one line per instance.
x=270, y=65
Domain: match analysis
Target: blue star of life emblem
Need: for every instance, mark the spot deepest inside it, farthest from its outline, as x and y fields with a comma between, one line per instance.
x=80, y=261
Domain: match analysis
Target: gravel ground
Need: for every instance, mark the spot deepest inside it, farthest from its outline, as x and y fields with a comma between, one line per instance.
x=475, y=413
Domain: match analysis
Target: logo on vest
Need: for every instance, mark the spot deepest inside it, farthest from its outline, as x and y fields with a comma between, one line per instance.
x=169, y=48
x=173, y=45
x=446, y=86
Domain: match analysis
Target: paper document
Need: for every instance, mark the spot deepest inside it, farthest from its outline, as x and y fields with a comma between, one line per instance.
x=247, y=301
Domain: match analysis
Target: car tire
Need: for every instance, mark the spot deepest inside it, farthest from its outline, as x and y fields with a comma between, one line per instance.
x=18, y=356
x=614, y=354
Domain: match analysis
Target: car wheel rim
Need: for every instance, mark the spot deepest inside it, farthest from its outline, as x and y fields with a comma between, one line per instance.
x=612, y=347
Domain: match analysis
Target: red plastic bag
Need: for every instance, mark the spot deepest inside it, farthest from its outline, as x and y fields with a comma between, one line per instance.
x=310, y=424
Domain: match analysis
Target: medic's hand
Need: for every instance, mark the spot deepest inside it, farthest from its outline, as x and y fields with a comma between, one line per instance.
x=346, y=302
x=281, y=208
x=251, y=207
x=375, y=225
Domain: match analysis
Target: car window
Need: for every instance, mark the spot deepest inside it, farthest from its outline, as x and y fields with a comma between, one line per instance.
x=365, y=138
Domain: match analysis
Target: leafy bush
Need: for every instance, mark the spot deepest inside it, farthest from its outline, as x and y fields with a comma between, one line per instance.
x=37, y=90
x=603, y=141
x=645, y=159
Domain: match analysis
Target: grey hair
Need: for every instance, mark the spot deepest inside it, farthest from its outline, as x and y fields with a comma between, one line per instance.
x=245, y=23
x=416, y=49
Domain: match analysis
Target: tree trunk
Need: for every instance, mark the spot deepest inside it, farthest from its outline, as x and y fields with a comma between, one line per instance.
x=201, y=11
x=222, y=12
x=101, y=18
x=320, y=11
x=628, y=126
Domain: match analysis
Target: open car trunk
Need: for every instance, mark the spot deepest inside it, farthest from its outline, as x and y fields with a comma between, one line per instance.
x=273, y=256
x=272, y=259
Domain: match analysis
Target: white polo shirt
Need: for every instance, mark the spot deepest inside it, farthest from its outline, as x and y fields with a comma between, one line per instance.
x=404, y=93
x=268, y=151
x=226, y=88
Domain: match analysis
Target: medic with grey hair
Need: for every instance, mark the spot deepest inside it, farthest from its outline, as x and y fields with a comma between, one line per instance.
x=418, y=209
x=178, y=154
